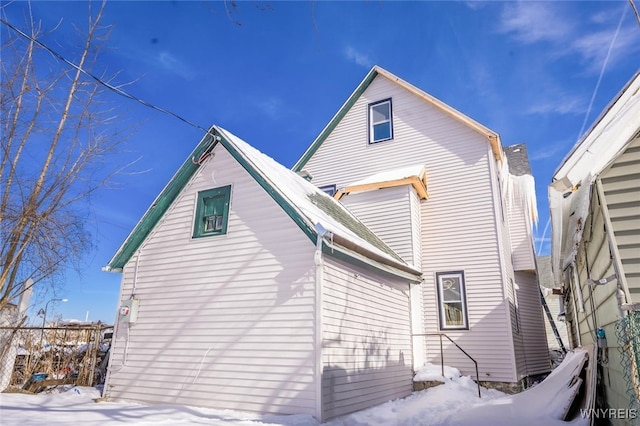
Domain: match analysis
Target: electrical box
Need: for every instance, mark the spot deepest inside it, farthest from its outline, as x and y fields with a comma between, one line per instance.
x=129, y=310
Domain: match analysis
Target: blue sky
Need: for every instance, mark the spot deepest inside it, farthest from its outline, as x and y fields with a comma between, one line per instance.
x=274, y=73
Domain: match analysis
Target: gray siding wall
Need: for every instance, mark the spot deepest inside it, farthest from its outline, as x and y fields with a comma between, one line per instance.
x=522, y=249
x=553, y=302
x=390, y=213
x=600, y=303
x=366, y=341
x=621, y=184
x=458, y=221
x=225, y=321
x=532, y=328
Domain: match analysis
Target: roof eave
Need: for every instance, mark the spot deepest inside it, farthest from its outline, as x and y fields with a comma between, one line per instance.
x=159, y=206
x=492, y=137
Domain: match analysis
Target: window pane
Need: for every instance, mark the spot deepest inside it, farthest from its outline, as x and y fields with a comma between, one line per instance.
x=382, y=131
x=453, y=314
x=213, y=205
x=451, y=289
x=380, y=113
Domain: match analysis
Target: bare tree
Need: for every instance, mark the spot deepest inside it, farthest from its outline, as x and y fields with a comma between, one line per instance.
x=57, y=132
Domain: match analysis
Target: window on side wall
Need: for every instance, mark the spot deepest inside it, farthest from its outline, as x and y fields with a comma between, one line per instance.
x=380, y=121
x=514, y=304
x=212, y=212
x=452, y=301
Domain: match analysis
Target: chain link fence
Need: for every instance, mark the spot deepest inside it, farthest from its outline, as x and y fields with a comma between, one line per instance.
x=628, y=333
x=37, y=357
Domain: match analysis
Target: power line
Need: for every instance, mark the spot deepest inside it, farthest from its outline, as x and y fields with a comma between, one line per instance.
x=635, y=11
x=99, y=80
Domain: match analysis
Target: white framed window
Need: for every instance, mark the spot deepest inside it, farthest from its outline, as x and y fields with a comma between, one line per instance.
x=452, y=301
x=380, y=121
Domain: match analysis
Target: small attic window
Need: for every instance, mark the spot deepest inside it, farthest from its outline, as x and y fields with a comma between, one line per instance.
x=212, y=212
x=380, y=121
x=328, y=189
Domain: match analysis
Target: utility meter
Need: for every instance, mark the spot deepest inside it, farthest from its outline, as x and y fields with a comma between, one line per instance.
x=129, y=310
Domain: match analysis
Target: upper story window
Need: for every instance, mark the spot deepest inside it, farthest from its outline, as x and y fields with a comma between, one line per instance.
x=452, y=301
x=380, y=121
x=212, y=212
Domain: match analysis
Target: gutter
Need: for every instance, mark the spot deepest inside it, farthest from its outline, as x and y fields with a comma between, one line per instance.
x=319, y=284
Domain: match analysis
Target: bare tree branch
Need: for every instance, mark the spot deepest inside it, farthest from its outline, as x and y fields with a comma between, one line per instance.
x=57, y=133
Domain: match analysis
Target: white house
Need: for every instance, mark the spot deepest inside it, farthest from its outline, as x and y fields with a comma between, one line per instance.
x=245, y=287
x=440, y=190
x=595, y=212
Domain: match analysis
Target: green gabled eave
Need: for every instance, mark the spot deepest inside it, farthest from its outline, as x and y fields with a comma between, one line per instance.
x=266, y=185
x=355, y=259
x=336, y=119
x=159, y=206
x=342, y=253
x=186, y=172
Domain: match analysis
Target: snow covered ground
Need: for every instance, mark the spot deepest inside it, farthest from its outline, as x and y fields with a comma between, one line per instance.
x=453, y=402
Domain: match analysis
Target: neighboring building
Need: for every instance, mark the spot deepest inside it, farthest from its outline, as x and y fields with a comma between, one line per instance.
x=595, y=214
x=245, y=287
x=441, y=191
x=12, y=315
x=554, y=303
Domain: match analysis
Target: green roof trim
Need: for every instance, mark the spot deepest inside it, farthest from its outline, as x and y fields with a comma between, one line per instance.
x=275, y=194
x=188, y=169
x=329, y=206
x=160, y=205
x=336, y=119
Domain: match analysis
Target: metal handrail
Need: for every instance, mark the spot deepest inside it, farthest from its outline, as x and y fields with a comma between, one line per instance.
x=457, y=346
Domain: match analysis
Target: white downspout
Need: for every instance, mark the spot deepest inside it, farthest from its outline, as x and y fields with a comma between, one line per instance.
x=319, y=264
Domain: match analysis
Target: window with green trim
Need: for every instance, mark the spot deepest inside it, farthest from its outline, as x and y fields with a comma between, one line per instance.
x=212, y=212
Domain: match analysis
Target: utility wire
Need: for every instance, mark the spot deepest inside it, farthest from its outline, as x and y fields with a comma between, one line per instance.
x=635, y=11
x=593, y=96
x=99, y=80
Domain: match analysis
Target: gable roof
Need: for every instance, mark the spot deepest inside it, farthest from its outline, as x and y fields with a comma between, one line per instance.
x=608, y=136
x=492, y=137
x=569, y=193
x=302, y=201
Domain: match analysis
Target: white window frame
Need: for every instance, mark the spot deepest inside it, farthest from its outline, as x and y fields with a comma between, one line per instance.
x=372, y=124
x=440, y=280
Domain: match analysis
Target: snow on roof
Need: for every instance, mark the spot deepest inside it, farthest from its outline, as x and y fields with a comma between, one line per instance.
x=313, y=204
x=391, y=175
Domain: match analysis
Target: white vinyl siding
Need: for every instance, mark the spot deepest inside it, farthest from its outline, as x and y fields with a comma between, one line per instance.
x=366, y=343
x=224, y=322
x=388, y=212
x=458, y=221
